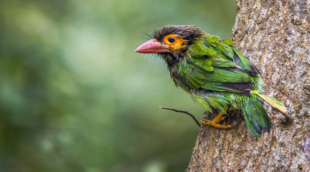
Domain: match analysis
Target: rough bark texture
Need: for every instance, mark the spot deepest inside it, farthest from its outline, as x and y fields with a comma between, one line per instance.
x=275, y=36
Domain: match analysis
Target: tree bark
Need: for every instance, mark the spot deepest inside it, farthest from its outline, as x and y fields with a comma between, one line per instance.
x=275, y=36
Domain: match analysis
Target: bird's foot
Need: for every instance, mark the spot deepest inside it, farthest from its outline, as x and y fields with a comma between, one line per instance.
x=215, y=122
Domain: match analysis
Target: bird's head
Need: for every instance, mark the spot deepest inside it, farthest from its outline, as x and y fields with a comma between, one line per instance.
x=171, y=42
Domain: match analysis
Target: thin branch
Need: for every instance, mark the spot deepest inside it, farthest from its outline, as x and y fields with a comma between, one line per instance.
x=181, y=111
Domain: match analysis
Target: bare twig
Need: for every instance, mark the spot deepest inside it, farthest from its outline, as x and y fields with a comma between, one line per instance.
x=181, y=111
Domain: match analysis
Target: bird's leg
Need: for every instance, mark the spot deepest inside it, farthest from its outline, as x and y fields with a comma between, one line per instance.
x=215, y=122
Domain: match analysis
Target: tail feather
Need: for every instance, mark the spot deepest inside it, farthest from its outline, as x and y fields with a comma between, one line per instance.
x=272, y=101
x=255, y=116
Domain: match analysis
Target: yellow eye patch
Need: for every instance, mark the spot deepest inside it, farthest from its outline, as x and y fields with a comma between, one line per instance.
x=173, y=42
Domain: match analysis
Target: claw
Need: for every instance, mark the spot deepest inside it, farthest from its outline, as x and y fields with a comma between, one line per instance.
x=215, y=122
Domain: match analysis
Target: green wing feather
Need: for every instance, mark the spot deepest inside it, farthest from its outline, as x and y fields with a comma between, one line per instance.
x=241, y=61
x=217, y=87
x=218, y=61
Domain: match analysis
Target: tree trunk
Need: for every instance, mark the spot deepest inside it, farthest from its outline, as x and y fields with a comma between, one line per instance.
x=275, y=36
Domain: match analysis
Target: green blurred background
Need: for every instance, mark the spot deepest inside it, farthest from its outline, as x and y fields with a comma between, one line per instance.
x=75, y=97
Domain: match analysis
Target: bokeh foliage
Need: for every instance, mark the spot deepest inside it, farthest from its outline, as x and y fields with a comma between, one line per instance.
x=75, y=97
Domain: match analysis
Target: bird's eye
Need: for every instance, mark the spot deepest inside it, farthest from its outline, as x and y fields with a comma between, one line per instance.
x=171, y=40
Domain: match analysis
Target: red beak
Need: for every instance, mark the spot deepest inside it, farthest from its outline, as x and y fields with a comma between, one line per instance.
x=152, y=46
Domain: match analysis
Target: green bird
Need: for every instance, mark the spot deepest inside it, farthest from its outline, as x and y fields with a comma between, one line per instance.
x=214, y=73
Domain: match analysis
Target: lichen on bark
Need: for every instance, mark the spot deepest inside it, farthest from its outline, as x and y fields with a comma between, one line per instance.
x=275, y=36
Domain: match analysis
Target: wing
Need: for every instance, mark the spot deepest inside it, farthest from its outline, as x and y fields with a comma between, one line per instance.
x=215, y=65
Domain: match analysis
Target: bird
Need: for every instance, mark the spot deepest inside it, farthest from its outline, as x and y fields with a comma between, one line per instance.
x=215, y=73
